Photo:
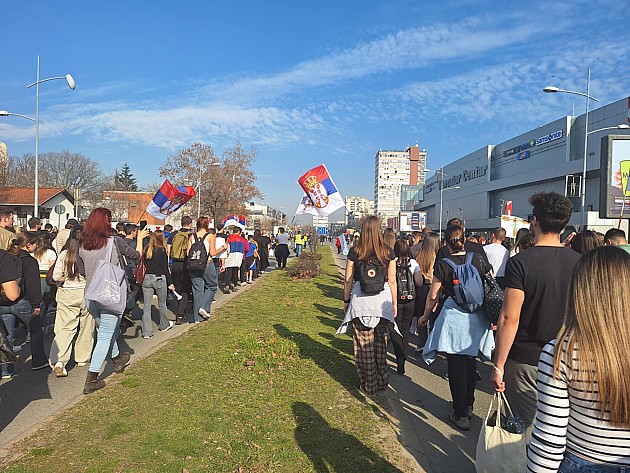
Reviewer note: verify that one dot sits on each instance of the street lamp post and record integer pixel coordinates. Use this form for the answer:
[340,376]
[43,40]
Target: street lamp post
[68,78]
[553,90]
[441,172]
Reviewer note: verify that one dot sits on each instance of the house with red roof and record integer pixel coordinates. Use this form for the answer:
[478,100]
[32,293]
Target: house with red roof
[56,205]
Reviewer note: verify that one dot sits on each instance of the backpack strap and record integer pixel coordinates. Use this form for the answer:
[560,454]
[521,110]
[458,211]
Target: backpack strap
[110,248]
[469,257]
[450,262]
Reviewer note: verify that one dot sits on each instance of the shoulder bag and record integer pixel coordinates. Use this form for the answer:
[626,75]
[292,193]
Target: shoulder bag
[501,448]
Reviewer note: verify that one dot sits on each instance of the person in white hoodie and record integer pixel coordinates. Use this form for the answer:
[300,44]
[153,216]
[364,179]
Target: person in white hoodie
[73,318]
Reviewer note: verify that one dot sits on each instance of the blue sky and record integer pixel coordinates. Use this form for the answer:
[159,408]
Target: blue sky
[303,83]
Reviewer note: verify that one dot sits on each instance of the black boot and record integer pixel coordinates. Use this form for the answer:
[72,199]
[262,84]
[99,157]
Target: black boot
[180,320]
[120,362]
[92,383]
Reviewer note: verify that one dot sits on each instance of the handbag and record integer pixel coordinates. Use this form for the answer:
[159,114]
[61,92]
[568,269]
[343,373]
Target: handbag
[141,270]
[108,287]
[498,449]
[493,299]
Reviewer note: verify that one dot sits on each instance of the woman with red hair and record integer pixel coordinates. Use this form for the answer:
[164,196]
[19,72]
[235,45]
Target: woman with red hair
[93,246]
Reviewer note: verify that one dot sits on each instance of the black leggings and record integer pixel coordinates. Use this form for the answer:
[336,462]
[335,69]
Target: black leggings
[403,321]
[462,377]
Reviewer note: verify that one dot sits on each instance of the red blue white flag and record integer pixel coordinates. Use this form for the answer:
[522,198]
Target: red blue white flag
[235,221]
[168,199]
[306,207]
[322,191]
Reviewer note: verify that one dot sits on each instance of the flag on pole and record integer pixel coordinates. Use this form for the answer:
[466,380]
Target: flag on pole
[508,208]
[306,207]
[168,199]
[234,221]
[322,191]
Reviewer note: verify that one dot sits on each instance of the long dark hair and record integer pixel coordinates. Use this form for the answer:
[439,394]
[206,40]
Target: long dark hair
[44,243]
[401,250]
[97,229]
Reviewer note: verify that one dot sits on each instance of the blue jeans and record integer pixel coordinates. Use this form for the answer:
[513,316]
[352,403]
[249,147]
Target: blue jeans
[23,310]
[574,464]
[204,287]
[298,250]
[107,325]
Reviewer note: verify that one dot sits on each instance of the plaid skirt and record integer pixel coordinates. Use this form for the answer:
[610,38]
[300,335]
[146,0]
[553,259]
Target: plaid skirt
[370,353]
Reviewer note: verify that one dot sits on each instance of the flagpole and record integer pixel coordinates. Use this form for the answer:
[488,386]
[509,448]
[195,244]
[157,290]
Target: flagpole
[145,211]
[623,204]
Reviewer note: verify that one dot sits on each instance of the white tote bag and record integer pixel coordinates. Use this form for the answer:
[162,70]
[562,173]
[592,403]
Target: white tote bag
[500,451]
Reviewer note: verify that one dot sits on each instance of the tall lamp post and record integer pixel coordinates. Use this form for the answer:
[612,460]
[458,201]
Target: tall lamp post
[553,90]
[68,78]
[442,189]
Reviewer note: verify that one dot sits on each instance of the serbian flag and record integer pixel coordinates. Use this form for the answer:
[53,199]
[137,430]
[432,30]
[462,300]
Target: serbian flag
[321,189]
[306,207]
[168,199]
[234,221]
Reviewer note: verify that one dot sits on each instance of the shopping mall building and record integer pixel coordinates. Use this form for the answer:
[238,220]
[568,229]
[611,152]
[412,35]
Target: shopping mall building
[548,158]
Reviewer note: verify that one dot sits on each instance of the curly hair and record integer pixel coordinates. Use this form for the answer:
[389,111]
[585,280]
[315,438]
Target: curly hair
[552,211]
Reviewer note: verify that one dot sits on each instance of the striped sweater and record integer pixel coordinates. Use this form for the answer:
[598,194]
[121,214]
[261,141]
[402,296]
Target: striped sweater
[568,419]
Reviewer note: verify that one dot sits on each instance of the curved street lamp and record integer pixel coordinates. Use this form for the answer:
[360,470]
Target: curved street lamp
[553,90]
[72,84]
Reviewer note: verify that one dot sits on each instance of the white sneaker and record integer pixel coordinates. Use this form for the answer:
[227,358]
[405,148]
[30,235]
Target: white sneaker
[170,326]
[17,348]
[60,370]
[204,313]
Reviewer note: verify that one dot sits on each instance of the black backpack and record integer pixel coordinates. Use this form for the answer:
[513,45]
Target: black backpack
[405,286]
[372,276]
[198,255]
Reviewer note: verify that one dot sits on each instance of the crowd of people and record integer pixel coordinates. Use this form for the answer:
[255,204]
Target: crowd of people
[57,273]
[558,347]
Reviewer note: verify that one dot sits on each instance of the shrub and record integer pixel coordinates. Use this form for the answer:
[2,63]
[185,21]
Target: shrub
[307,266]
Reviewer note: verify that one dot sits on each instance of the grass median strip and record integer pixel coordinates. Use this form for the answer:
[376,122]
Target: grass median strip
[266,386]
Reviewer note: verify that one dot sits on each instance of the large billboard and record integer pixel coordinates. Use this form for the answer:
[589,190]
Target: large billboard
[614,191]
[412,221]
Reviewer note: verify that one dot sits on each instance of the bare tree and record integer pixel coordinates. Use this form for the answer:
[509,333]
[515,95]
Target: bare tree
[225,185]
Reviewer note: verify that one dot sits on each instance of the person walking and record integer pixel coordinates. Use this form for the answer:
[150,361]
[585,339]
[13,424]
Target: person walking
[498,255]
[74,326]
[536,288]
[251,258]
[408,276]
[157,279]
[94,243]
[6,227]
[204,281]
[583,390]
[461,334]
[178,244]
[282,248]
[27,308]
[367,314]
[426,257]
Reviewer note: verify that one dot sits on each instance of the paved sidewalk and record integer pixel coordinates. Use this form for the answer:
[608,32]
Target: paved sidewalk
[420,402]
[32,397]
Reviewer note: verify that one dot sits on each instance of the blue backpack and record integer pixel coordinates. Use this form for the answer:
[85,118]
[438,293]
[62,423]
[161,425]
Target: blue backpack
[467,284]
